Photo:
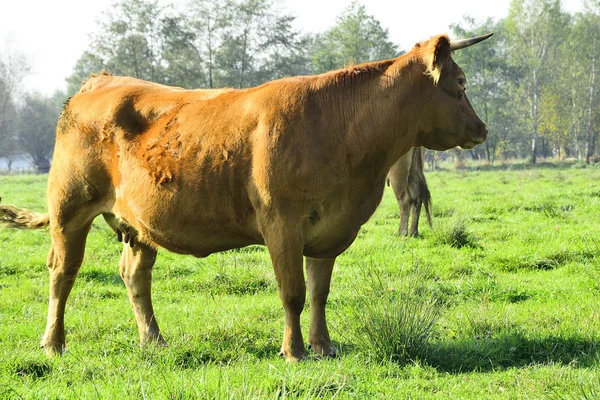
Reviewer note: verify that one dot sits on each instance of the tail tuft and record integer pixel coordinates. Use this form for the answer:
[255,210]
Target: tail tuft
[14,217]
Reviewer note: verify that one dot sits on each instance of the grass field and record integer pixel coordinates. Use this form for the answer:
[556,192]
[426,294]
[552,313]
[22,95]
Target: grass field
[511,271]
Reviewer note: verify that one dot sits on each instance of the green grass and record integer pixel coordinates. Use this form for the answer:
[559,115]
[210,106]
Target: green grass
[510,272]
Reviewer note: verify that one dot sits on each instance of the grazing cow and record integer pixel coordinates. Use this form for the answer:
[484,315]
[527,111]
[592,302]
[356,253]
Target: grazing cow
[297,164]
[410,188]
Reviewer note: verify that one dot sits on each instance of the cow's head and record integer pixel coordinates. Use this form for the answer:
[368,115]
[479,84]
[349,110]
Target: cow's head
[449,120]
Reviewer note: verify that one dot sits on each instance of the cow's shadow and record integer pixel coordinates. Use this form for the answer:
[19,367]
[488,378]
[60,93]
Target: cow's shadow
[513,350]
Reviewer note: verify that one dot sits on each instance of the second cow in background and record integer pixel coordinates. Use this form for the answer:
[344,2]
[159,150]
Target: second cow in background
[410,188]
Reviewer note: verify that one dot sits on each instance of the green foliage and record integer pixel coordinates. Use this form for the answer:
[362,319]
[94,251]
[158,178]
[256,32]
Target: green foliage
[257,41]
[534,30]
[355,38]
[14,66]
[36,125]
[211,44]
[487,79]
[85,65]
[129,39]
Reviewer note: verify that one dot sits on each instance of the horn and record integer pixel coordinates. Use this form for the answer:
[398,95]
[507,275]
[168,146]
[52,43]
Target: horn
[461,44]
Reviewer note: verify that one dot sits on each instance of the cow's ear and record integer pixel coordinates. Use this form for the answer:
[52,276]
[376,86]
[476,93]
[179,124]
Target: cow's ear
[438,52]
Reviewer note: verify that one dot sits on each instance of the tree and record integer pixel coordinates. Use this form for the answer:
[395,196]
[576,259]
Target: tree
[209,19]
[534,29]
[129,43]
[257,43]
[554,119]
[486,71]
[356,37]
[184,65]
[14,66]
[130,39]
[8,144]
[87,64]
[36,125]
[586,62]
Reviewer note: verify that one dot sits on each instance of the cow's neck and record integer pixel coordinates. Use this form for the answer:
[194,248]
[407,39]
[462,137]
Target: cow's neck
[379,112]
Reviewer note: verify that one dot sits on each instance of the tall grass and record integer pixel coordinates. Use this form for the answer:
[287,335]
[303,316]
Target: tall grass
[456,233]
[393,321]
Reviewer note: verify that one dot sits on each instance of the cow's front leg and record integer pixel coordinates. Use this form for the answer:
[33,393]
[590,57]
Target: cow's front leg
[318,272]
[285,246]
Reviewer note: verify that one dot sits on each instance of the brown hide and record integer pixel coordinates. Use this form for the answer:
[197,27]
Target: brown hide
[297,164]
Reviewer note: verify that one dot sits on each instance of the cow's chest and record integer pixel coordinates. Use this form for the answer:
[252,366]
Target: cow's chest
[333,226]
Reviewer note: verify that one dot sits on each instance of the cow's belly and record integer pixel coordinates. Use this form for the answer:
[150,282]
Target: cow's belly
[198,245]
[198,237]
[199,224]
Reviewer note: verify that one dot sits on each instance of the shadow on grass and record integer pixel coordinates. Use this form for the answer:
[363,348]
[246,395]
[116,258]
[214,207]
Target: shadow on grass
[94,275]
[33,368]
[510,351]
[550,262]
[222,354]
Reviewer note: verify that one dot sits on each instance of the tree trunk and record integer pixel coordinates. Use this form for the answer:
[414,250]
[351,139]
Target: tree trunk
[210,54]
[244,58]
[590,145]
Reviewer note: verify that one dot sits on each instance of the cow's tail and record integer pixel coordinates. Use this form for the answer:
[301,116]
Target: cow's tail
[424,195]
[14,217]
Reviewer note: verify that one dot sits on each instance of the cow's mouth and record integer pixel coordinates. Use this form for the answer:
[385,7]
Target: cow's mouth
[474,140]
[468,145]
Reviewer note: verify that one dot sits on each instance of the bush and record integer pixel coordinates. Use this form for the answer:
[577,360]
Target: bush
[392,322]
[455,234]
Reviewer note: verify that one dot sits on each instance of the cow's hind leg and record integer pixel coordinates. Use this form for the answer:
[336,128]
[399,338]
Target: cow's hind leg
[136,271]
[416,213]
[318,272]
[404,203]
[64,260]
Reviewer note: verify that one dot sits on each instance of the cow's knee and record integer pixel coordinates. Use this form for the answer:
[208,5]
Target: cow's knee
[294,303]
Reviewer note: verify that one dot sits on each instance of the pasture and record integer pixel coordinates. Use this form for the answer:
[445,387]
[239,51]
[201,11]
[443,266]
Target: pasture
[511,271]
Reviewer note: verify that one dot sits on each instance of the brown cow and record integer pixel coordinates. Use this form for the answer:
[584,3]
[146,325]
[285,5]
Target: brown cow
[297,164]
[410,188]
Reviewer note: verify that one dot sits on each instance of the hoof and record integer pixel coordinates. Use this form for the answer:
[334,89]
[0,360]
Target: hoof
[154,341]
[53,349]
[325,350]
[293,358]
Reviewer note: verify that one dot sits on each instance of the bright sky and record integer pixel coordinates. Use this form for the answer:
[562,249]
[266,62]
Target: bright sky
[54,33]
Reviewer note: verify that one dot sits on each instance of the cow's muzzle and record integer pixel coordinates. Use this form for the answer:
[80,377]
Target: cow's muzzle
[474,138]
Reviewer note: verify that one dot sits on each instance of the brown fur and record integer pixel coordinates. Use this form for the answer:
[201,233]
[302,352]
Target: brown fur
[297,164]
[410,188]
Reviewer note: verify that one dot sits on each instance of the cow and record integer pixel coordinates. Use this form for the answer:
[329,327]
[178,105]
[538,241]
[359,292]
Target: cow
[410,188]
[297,164]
